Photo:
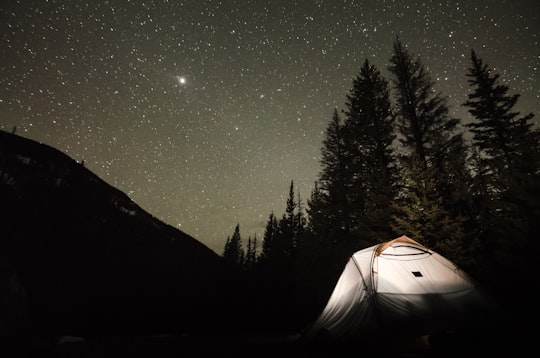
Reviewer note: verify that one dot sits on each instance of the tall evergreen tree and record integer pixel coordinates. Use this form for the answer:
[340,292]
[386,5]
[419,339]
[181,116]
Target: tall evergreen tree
[332,184]
[254,249]
[507,176]
[269,246]
[290,228]
[507,141]
[251,254]
[369,135]
[428,136]
[300,220]
[287,225]
[227,247]
[281,236]
[318,218]
[277,260]
[422,114]
[269,233]
[233,251]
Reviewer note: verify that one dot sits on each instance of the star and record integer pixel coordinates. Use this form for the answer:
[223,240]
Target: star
[181,80]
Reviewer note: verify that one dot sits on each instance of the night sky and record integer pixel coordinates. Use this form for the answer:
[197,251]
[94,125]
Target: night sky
[204,111]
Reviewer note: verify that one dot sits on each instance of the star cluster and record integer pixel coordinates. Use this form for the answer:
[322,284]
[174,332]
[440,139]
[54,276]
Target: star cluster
[204,111]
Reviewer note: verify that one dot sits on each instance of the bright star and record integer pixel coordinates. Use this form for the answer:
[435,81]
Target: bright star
[181,80]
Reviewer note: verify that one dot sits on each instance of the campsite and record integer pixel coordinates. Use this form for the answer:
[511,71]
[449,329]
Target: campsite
[250,178]
[106,290]
[448,316]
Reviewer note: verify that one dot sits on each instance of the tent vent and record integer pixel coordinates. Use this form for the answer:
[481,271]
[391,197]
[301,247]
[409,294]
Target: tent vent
[417,274]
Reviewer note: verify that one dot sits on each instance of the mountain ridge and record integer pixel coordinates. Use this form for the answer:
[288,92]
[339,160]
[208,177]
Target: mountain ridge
[90,260]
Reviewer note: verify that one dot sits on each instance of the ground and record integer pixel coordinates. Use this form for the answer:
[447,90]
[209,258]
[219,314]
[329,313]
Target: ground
[259,345]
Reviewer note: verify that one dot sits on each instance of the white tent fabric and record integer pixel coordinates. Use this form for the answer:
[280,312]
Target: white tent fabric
[399,285]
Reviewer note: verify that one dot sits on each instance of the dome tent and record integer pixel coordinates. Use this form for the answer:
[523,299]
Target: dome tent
[398,287]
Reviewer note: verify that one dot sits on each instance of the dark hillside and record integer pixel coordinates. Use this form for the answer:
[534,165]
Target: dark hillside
[79,257]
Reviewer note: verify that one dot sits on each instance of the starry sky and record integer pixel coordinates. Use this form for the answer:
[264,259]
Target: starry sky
[204,111]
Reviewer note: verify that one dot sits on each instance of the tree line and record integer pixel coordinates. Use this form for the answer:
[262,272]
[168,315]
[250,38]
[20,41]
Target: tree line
[395,162]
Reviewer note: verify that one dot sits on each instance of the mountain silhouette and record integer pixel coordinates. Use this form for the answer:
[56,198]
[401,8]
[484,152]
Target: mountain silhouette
[79,257]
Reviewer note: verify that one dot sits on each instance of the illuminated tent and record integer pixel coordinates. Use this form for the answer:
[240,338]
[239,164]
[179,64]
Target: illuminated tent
[399,286]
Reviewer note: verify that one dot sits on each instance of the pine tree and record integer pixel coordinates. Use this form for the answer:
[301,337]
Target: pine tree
[300,221]
[251,254]
[287,225]
[508,143]
[281,236]
[254,250]
[227,247]
[318,218]
[429,138]
[369,135]
[233,251]
[333,185]
[285,241]
[277,260]
[507,176]
[422,114]
[270,233]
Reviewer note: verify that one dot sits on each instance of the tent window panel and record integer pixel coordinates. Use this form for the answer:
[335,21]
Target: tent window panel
[417,274]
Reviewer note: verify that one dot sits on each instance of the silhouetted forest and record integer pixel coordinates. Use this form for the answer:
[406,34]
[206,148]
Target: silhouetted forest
[395,162]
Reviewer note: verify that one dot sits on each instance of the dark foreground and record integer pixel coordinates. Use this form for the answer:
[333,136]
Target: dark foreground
[263,345]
